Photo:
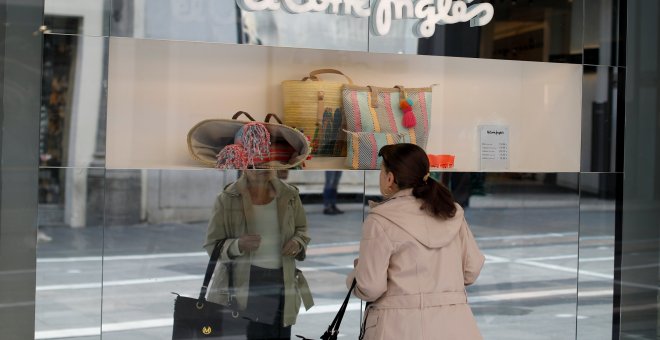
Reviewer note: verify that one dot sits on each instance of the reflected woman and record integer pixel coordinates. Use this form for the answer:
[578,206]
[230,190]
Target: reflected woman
[417,254]
[264,223]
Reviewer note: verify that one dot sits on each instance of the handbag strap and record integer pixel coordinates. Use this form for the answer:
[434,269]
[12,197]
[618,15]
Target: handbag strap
[333,329]
[239,113]
[215,255]
[374,96]
[272,115]
[313,75]
[402,91]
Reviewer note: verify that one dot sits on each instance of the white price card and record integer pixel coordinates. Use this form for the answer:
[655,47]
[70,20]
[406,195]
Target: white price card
[494,140]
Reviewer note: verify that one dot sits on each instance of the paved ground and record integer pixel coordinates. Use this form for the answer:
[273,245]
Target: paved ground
[527,290]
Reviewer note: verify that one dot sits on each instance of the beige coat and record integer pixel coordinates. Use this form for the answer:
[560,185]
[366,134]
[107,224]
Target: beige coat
[233,217]
[414,268]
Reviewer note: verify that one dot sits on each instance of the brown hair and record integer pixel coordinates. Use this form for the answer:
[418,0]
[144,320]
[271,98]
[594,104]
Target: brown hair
[409,164]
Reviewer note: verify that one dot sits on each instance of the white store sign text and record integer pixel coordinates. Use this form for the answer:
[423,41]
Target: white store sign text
[428,12]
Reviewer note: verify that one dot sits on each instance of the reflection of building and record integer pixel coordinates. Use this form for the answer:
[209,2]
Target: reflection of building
[83,71]
[75,76]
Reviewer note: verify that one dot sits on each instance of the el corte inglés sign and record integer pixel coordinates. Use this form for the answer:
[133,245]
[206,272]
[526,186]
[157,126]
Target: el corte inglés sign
[428,12]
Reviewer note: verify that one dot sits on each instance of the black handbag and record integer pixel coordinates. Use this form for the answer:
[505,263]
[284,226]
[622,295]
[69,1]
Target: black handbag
[201,319]
[333,329]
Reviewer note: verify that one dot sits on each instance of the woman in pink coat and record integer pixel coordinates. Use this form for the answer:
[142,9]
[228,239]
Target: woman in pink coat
[417,254]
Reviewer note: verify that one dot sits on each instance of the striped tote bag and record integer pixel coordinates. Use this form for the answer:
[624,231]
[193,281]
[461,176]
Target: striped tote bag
[378,109]
[362,152]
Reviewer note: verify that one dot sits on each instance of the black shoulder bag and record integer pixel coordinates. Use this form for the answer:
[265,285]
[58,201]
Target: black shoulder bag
[201,319]
[333,329]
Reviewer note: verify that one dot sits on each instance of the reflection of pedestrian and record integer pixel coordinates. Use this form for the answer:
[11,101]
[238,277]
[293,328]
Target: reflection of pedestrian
[463,185]
[263,252]
[417,254]
[43,237]
[460,185]
[330,193]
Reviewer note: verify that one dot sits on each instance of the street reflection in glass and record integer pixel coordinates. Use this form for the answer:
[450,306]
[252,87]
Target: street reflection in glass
[603,98]
[596,257]
[156,222]
[69,276]
[527,227]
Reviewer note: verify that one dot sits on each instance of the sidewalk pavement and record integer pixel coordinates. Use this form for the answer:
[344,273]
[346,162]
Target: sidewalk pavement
[495,200]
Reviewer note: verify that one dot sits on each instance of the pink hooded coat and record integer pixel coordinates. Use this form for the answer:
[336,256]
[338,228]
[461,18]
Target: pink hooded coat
[414,268]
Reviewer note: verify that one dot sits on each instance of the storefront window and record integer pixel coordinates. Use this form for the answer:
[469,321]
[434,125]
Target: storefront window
[126,203]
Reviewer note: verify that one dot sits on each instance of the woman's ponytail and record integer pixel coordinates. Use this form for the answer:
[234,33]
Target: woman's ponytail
[410,166]
[438,200]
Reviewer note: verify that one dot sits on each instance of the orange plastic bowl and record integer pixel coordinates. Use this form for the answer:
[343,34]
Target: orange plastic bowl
[442,161]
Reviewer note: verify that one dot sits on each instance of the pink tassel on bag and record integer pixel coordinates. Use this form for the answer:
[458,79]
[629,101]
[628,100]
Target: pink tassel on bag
[409,119]
[232,156]
[255,138]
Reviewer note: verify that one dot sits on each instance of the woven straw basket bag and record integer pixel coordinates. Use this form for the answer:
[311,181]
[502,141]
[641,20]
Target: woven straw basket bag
[208,137]
[315,107]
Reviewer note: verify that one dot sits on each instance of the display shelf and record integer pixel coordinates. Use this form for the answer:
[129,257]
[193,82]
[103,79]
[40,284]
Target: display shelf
[158,90]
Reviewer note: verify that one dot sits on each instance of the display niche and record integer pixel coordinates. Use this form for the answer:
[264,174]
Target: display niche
[491,115]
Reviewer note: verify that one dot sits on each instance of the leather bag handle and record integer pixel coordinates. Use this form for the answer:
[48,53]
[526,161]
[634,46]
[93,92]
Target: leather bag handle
[272,115]
[374,96]
[239,113]
[215,255]
[333,329]
[402,91]
[313,75]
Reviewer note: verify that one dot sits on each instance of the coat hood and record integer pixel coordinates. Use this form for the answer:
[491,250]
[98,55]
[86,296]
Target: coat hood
[403,209]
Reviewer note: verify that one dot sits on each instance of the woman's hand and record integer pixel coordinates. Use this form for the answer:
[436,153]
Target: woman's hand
[249,242]
[291,248]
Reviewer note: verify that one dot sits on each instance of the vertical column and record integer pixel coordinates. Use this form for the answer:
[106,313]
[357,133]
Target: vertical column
[20,77]
[639,270]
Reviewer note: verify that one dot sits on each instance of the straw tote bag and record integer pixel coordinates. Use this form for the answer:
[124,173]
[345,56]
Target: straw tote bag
[289,147]
[315,107]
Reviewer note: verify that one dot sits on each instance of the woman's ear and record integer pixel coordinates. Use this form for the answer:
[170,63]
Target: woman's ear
[389,179]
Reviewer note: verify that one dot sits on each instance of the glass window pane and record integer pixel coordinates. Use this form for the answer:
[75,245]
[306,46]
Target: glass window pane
[527,226]
[533,31]
[604,36]
[603,118]
[69,254]
[154,231]
[155,247]
[334,204]
[195,20]
[598,196]
[519,30]
[226,22]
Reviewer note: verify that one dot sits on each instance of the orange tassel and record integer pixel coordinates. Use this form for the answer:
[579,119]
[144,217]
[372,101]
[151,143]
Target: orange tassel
[404,105]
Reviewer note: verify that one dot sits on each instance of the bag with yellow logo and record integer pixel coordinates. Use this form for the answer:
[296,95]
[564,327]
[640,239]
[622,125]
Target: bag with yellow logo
[196,318]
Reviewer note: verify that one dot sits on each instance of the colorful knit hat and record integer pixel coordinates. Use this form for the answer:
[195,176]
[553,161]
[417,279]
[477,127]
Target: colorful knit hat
[232,156]
[255,139]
